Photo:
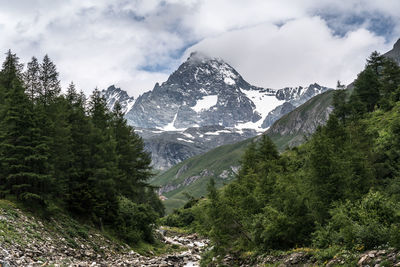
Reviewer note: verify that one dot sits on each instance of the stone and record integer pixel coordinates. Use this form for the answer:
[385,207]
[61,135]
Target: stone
[363,259]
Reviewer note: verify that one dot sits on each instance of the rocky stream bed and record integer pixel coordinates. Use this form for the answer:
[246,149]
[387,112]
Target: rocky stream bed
[28,241]
[33,255]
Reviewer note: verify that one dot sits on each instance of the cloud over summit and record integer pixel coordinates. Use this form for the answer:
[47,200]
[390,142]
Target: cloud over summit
[137,43]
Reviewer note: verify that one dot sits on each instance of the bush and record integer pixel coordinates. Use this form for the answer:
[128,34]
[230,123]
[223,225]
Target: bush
[273,229]
[365,224]
[135,222]
[179,218]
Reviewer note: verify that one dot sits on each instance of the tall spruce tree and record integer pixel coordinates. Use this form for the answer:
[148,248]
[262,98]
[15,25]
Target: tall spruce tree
[103,164]
[50,85]
[79,196]
[32,79]
[133,161]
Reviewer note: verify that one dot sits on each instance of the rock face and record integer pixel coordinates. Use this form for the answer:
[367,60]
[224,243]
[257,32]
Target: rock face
[277,113]
[113,95]
[394,53]
[171,147]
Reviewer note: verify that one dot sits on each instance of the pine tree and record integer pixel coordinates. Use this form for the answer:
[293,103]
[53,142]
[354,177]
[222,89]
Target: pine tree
[375,63]
[390,81]
[103,164]
[50,85]
[32,79]
[79,197]
[133,161]
[72,95]
[340,105]
[367,88]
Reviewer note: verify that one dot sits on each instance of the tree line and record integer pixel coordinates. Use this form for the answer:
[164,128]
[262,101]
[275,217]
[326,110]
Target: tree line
[63,150]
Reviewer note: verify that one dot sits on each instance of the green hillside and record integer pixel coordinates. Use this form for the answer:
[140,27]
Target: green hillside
[192,175]
[215,162]
[303,121]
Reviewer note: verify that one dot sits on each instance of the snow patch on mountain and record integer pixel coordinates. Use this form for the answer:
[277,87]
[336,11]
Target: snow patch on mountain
[184,140]
[265,101]
[205,103]
[171,126]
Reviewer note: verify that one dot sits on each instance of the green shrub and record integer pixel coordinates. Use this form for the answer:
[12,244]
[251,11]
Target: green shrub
[179,218]
[364,224]
[135,222]
[273,229]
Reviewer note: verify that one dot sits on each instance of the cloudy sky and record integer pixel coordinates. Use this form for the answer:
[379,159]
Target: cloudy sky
[135,43]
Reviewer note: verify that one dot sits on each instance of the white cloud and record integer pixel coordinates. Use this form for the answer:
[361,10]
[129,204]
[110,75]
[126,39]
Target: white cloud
[98,42]
[300,52]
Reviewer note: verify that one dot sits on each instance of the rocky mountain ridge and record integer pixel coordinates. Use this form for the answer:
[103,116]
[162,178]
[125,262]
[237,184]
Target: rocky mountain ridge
[394,53]
[202,91]
[114,94]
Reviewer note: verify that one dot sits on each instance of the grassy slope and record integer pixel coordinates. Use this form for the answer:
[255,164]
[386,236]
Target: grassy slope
[223,157]
[216,160]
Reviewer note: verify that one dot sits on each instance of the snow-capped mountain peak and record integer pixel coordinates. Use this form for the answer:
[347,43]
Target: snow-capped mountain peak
[208,91]
[176,117]
[202,91]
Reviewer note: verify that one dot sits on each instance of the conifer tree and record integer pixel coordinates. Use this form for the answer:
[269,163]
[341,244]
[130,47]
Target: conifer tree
[390,81]
[50,85]
[341,107]
[32,79]
[103,165]
[367,89]
[133,161]
[79,197]
[375,63]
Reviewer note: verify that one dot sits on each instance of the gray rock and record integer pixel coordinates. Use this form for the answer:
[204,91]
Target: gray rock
[113,95]
[394,53]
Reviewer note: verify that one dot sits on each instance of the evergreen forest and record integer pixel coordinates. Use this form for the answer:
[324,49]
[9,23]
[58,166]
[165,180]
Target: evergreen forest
[65,152]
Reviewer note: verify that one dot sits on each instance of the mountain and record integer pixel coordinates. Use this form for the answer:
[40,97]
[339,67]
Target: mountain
[204,92]
[394,53]
[113,95]
[207,91]
[222,163]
